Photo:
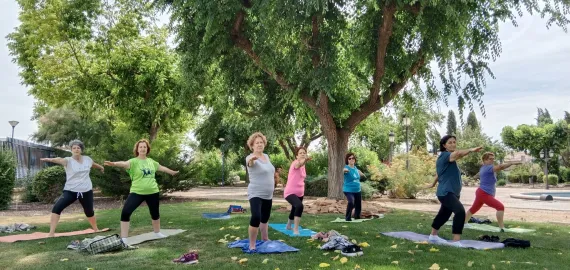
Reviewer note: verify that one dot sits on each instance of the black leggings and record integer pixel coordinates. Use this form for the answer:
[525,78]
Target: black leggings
[450,204]
[260,211]
[296,206]
[69,197]
[354,202]
[134,200]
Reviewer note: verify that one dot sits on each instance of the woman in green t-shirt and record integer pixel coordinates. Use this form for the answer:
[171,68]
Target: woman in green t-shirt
[142,170]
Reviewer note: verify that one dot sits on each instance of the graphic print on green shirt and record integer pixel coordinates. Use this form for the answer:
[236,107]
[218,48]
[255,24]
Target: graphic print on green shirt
[142,172]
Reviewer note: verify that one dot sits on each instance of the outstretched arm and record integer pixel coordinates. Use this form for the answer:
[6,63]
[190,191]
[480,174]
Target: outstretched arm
[166,170]
[57,160]
[302,163]
[503,166]
[120,164]
[99,167]
[458,154]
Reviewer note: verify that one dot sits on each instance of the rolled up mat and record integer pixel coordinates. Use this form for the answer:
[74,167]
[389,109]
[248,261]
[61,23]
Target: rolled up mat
[416,237]
[42,235]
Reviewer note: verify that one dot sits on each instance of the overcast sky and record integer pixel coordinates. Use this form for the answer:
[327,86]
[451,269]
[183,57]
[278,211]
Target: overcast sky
[531,72]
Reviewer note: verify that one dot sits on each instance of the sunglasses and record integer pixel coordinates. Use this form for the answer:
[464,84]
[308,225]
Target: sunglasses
[351,158]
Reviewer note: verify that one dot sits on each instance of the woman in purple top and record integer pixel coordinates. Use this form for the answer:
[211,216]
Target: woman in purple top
[485,194]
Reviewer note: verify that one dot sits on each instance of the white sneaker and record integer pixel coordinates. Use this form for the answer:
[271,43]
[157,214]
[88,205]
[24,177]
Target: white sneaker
[468,226]
[160,235]
[436,239]
[456,244]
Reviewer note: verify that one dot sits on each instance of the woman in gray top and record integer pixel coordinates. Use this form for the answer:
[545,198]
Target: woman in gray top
[260,188]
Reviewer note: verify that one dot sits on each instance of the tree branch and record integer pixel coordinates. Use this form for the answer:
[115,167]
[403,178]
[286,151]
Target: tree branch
[414,9]
[316,58]
[285,150]
[388,95]
[384,34]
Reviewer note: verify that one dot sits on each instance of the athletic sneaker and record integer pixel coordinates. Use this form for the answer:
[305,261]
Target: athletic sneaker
[74,245]
[467,225]
[456,244]
[436,239]
[160,235]
[352,251]
[502,230]
[188,258]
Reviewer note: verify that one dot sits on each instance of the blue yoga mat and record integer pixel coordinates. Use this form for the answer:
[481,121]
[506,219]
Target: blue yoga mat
[281,228]
[263,247]
[216,215]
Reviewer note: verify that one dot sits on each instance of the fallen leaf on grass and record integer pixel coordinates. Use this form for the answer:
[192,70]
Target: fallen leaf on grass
[234,258]
[242,261]
[493,267]
[343,260]
[41,243]
[417,246]
[365,232]
[64,259]
[559,253]
[395,262]
[237,238]
[345,226]
[223,241]
[337,251]
[433,249]
[265,261]
[357,267]
[411,252]
[170,222]
[377,236]
[281,240]
[364,244]
[310,240]
[394,246]
[549,233]
[89,268]
[226,236]
[222,228]
[434,266]
[322,265]
[319,246]
[354,241]
[335,258]
[422,243]
[326,253]
[470,263]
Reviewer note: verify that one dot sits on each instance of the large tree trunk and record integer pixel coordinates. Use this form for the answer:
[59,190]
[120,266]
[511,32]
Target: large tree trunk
[337,144]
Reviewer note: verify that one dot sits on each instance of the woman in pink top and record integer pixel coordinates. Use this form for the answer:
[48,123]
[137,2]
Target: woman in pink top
[295,188]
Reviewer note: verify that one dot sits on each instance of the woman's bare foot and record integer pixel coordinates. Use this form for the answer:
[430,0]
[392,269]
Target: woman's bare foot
[296,232]
[51,235]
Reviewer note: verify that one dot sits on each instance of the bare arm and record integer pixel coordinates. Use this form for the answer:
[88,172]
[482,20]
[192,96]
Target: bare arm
[434,182]
[302,163]
[166,170]
[120,164]
[458,154]
[250,162]
[99,167]
[58,160]
[503,166]
[361,174]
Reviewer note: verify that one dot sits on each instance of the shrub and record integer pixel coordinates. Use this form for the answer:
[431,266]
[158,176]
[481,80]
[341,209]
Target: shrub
[564,174]
[501,183]
[318,165]
[553,179]
[316,186]
[404,183]
[26,183]
[48,184]
[513,177]
[501,175]
[367,190]
[365,158]
[241,174]
[8,165]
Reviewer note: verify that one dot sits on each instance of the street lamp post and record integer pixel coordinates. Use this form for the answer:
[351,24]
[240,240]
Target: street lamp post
[223,158]
[545,154]
[391,138]
[407,125]
[13,124]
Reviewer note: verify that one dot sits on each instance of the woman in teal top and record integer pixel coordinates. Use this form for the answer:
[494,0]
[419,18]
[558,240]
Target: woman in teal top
[351,187]
[144,188]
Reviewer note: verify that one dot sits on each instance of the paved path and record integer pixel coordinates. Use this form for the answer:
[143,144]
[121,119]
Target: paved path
[516,209]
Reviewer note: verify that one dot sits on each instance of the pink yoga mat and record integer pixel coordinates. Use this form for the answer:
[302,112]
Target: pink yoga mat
[42,235]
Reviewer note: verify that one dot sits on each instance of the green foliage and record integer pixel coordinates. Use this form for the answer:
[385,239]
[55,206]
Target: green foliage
[402,182]
[553,179]
[365,158]
[48,184]
[27,184]
[543,117]
[472,121]
[373,133]
[316,186]
[501,183]
[8,165]
[451,123]
[206,167]
[318,165]
[367,190]
[564,174]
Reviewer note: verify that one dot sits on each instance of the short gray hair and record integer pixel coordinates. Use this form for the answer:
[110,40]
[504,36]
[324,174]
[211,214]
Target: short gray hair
[77,142]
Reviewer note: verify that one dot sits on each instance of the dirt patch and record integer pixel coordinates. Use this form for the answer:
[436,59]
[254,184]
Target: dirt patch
[329,206]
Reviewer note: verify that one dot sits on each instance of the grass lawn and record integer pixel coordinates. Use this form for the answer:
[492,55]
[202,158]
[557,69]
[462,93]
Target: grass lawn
[550,244]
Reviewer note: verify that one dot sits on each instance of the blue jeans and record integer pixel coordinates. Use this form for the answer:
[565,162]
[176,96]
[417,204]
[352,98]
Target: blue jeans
[354,202]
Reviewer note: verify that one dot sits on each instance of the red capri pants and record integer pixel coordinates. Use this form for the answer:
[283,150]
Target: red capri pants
[482,197]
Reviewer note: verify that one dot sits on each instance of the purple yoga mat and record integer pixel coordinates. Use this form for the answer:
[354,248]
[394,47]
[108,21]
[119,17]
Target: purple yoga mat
[412,236]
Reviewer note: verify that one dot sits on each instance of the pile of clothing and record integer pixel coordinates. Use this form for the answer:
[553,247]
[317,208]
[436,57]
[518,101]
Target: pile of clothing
[335,241]
[509,242]
[16,227]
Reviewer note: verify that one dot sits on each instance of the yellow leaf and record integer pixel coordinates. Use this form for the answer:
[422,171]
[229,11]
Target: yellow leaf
[411,252]
[377,236]
[365,232]
[354,241]
[335,258]
[222,228]
[422,243]
[234,258]
[281,240]
[324,265]
[345,226]
[337,251]
[434,266]
[433,249]
[237,238]
[226,236]
[242,261]
[470,263]
[364,244]
[64,259]
[343,260]
[170,222]
[326,253]
[394,246]
[319,246]
[223,241]
[357,267]
[265,261]
[395,262]
[493,267]
[549,233]
[417,246]
[310,240]
[89,268]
